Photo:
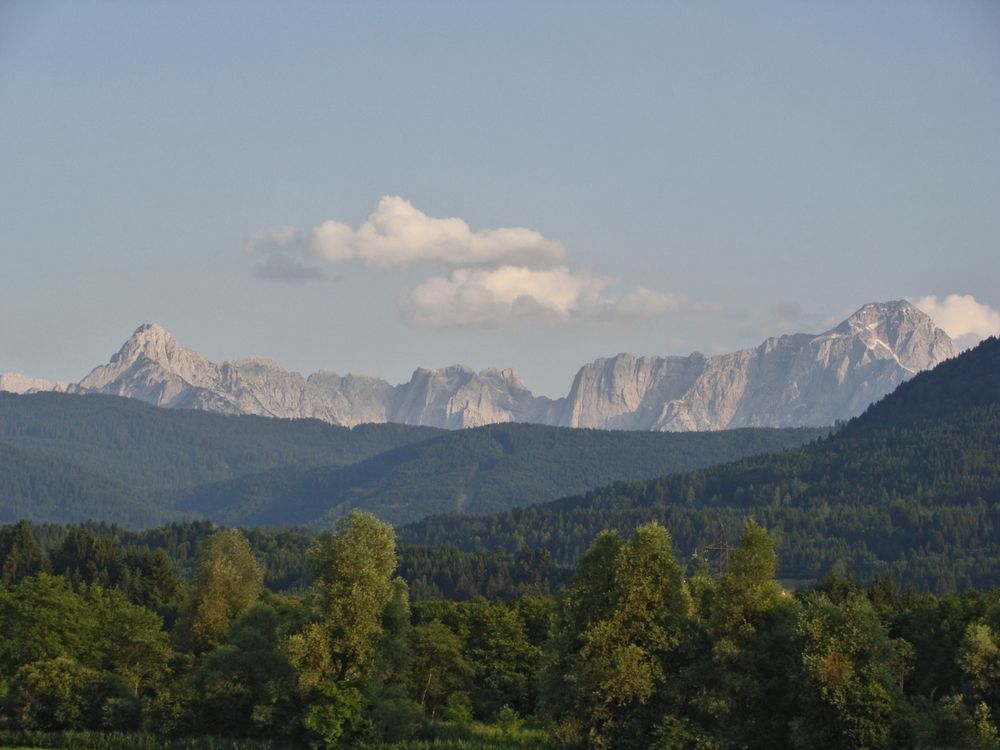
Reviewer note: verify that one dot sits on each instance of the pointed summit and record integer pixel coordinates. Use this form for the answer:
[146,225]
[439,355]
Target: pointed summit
[151,365]
[900,331]
[149,340]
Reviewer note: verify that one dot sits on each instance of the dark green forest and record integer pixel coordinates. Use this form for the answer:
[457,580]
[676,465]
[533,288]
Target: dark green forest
[36,485]
[474,471]
[104,458]
[636,650]
[114,556]
[149,448]
[911,488]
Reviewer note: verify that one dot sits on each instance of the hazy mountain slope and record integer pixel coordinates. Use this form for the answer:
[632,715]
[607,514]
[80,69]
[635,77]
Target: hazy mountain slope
[15,382]
[795,380]
[474,471]
[912,486]
[150,448]
[49,488]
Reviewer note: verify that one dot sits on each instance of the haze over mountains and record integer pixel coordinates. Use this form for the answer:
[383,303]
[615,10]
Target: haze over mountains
[793,380]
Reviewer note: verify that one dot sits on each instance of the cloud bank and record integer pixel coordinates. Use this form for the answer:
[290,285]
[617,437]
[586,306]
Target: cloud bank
[961,316]
[498,276]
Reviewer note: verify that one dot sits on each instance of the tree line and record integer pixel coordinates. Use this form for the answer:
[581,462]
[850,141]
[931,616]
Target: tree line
[637,650]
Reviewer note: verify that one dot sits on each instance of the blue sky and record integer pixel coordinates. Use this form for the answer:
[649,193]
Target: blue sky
[694,176]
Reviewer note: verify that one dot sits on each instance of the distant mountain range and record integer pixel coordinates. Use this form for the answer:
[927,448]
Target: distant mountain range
[796,380]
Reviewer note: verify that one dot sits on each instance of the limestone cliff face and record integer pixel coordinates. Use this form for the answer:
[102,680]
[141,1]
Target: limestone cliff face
[793,380]
[786,381]
[153,367]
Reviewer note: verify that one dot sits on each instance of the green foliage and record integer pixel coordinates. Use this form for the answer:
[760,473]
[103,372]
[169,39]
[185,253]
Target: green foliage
[228,580]
[620,635]
[55,693]
[336,710]
[439,668]
[850,677]
[353,569]
[244,685]
[632,658]
[49,621]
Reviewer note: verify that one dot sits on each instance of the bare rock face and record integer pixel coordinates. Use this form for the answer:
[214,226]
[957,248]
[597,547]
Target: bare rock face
[787,381]
[154,368]
[15,382]
[457,396]
[796,380]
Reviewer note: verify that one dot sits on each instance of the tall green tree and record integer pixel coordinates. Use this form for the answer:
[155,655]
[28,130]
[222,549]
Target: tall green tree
[133,644]
[750,624]
[227,582]
[630,644]
[439,668]
[335,654]
[588,598]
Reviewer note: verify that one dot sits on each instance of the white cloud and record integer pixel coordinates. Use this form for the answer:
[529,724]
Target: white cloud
[397,235]
[497,277]
[480,298]
[961,316]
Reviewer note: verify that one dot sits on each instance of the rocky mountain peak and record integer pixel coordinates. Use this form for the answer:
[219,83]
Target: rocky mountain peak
[898,330]
[149,340]
[152,355]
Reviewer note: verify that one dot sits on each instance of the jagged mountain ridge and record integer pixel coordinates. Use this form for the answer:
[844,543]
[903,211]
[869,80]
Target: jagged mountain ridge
[795,380]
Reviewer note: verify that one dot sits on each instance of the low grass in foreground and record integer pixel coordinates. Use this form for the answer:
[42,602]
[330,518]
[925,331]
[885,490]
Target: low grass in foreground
[126,741]
[473,736]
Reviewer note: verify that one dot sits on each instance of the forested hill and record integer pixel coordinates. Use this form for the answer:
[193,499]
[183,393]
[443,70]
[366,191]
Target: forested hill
[474,471]
[910,487]
[40,487]
[150,448]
